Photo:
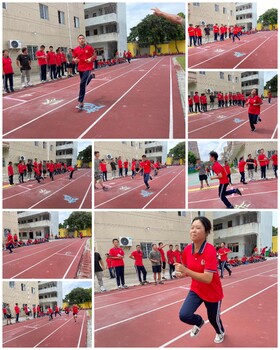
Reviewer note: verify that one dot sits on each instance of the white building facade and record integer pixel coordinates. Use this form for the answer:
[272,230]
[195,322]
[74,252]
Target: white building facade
[37,224]
[50,294]
[252,80]
[106,28]
[243,231]
[67,152]
[156,150]
[246,15]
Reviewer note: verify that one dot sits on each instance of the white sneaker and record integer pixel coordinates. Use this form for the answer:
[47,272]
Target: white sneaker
[103,289]
[23,86]
[124,286]
[219,338]
[29,84]
[195,330]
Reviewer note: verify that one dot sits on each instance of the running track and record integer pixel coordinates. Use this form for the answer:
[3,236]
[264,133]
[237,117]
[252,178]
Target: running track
[42,333]
[167,191]
[147,316]
[258,194]
[252,51]
[140,100]
[233,123]
[51,194]
[56,259]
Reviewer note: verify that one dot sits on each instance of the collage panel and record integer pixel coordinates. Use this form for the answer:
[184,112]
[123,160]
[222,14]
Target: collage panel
[47,244]
[222,104]
[136,287]
[233,174]
[230,35]
[137,53]
[47,174]
[47,314]
[139,174]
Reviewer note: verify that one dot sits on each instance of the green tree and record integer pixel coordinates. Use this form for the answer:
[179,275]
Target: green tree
[179,151]
[176,32]
[272,84]
[191,158]
[269,17]
[86,155]
[79,220]
[78,296]
[274,231]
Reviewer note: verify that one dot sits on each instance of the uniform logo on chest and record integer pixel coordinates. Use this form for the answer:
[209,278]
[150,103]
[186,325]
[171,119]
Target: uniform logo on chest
[202,262]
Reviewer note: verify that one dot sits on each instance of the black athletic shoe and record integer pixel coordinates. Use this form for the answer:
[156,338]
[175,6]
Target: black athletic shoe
[229,273]
[105,188]
[148,187]
[231,207]
[238,192]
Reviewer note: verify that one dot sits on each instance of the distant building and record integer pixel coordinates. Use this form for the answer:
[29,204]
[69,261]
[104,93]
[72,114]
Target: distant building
[67,152]
[246,15]
[252,80]
[243,231]
[106,27]
[10,223]
[50,294]
[37,224]
[193,147]
[156,150]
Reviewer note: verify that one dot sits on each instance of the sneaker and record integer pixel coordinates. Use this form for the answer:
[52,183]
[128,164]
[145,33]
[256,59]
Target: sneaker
[148,187]
[259,119]
[142,283]
[155,283]
[80,106]
[12,90]
[119,287]
[195,330]
[160,282]
[124,286]
[29,84]
[245,183]
[105,188]
[23,86]
[238,192]
[229,273]
[103,289]
[231,207]
[219,338]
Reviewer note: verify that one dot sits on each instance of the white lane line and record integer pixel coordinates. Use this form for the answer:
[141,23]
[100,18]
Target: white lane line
[74,259]
[171,121]
[85,196]
[81,332]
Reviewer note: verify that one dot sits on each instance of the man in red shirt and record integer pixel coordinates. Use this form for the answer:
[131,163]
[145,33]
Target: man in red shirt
[50,312]
[137,256]
[8,72]
[52,63]
[10,242]
[51,169]
[274,159]
[146,166]
[190,100]
[17,312]
[42,62]
[235,33]
[84,55]
[38,310]
[254,103]
[57,311]
[58,59]
[171,261]
[192,36]
[262,160]
[269,96]
[71,171]
[198,34]
[109,266]
[177,254]
[196,102]
[163,258]
[125,165]
[120,166]
[222,33]
[223,179]
[241,168]
[223,257]
[216,30]
[75,310]
[21,171]
[117,255]
[133,167]
[11,173]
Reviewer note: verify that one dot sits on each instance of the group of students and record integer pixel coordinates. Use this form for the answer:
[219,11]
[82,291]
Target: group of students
[38,170]
[12,241]
[36,312]
[220,33]
[143,166]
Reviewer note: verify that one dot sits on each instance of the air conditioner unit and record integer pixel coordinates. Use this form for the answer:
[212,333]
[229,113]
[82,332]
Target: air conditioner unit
[125,241]
[258,151]
[109,156]
[208,91]
[20,158]
[15,44]
[202,23]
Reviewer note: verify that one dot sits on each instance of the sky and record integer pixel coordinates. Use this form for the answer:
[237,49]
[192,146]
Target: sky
[136,11]
[67,286]
[83,145]
[63,215]
[264,5]
[207,146]
[269,75]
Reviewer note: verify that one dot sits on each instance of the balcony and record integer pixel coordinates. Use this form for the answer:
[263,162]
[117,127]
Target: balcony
[240,230]
[35,224]
[101,20]
[101,38]
[64,146]
[90,5]
[192,77]
[48,300]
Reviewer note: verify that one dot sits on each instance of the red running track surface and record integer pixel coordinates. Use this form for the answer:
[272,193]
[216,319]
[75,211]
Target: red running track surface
[61,332]
[123,317]
[258,194]
[251,52]
[138,102]
[167,191]
[61,193]
[56,259]
[233,123]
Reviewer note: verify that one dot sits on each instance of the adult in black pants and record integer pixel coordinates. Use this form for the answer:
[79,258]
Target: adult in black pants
[117,256]
[222,257]
[137,256]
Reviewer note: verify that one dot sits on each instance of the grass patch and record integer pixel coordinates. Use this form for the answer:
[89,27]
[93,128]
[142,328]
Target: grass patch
[182,61]
[90,312]
[90,242]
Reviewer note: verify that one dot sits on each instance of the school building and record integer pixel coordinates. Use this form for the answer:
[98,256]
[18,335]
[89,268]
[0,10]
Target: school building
[32,24]
[203,13]
[236,149]
[37,224]
[252,80]
[10,223]
[66,152]
[246,15]
[243,231]
[207,82]
[137,227]
[21,292]
[50,294]
[193,147]
[156,150]
[105,26]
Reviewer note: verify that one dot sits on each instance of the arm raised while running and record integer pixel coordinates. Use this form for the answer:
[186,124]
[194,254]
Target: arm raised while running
[170,17]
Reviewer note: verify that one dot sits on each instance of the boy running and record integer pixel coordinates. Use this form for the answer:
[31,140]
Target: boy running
[75,312]
[146,165]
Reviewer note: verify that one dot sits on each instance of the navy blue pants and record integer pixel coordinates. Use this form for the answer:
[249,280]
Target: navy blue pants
[223,193]
[192,303]
[85,79]
[43,72]
[141,270]
[119,270]
[146,179]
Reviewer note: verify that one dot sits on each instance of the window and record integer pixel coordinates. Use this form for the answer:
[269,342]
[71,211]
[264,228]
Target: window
[196,4]
[44,11]
[32,51]
[44,145]
[61,17]
[222,75]
[218,227]
[229,77]
[202,72]
[236,79]
[146,249]
[36,143]
[23,287]
[224,11]
[95,32]
[12,284]
[229,224]
[124,142]
[132,143]
[76,22]
[231,13]
[182,213]
[4,5]
[87,33]
[216,8]
[51,147]
[234,247]
[94,14]
[182,246]
[33,290]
